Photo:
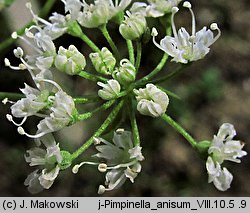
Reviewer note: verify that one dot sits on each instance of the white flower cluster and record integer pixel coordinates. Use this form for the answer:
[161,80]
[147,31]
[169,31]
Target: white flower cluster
[94,14]
[57,109]
[222,148]
[155,8]
[47,100]
[122,160]
[117,77]
[49,158]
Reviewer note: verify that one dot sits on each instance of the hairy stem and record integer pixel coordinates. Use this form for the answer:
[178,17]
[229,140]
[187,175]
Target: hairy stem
[135,130]
[86,99]
[138,56]
[102,128]
[179,129]
[114,48]
[89,42]
[131,51]
[87,115]
[10,95]
[92,77]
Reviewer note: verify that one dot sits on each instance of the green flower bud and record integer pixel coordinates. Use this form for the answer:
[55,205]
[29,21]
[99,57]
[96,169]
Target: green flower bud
[110,90]
[133,26]
[70,61]
[95,15]
[125,74]
[104,61]
[151,101]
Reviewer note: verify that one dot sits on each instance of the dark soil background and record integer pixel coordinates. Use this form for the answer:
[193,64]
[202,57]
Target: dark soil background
[213,91]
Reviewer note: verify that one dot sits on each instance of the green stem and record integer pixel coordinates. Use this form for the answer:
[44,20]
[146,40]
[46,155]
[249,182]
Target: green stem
[158,68]
[89,42]
[102,128]
[75,30]
[131,51]
[87,99]
[92,77]
[138,56]
[135,131]
[10,95]
[169,27]
[87,115]
[179,129]
[114,48]
[43,13]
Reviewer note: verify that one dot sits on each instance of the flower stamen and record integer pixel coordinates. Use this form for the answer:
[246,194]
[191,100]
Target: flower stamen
[10,118]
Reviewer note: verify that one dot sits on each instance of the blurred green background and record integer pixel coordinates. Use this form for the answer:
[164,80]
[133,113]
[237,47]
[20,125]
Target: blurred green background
[213,91]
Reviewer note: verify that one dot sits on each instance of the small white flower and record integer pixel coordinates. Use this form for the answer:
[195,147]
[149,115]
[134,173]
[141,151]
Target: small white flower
[159,8]
[35,100]
[60,106]
[151,101]
[103,61]
[70,60]
[57,27]
[63,112]
[73,7]
[133,26]
[116,7]
[43,57]
[122,159]
[49,158]
[155,8]
[110,90]
[221,178]
[100,12]
[224,148]
[126,73]
[184,47]
[94,15]
[44,42]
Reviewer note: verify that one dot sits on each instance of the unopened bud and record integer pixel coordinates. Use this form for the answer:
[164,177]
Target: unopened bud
[70,60]
[133,26]
[104,61]
[110,90]
[125,74]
